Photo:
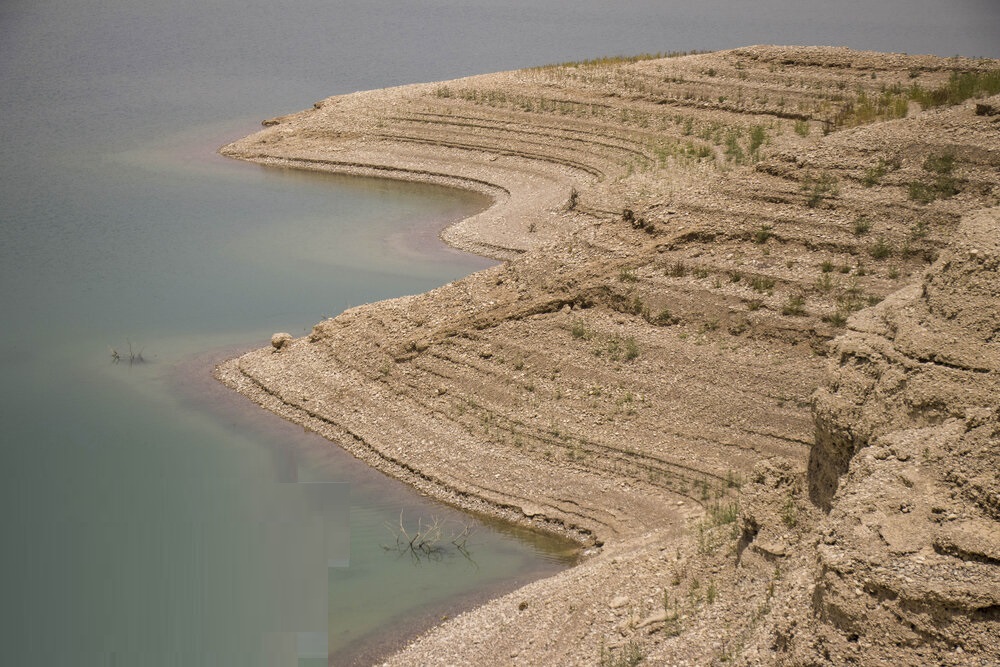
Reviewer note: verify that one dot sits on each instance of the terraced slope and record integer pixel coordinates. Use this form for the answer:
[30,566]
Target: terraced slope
[683,238]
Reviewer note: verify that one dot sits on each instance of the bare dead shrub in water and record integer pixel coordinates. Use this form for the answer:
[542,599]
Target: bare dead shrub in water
[133,357]
[431,540]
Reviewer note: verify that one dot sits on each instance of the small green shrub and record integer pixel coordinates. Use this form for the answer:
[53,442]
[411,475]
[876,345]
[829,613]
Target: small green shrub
[758,135]
[762,235]
[631,349]
[819,188]
[733,150]
[824,283]
[664,318]
[873,176]
[794,306]
[790,513]
[630,655]
[762,284]
[862,226]
[920,192]
[940,183]
[881,249]
[628,276]
[677,270]
[720,514]
[836,318]
[941,164]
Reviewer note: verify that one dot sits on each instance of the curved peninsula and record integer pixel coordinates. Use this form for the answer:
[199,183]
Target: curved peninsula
[743,347]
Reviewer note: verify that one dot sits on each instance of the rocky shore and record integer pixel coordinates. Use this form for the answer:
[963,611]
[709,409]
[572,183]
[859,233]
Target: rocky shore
[744,348]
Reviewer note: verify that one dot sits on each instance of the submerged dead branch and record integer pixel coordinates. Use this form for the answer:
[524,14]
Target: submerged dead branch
[431,540]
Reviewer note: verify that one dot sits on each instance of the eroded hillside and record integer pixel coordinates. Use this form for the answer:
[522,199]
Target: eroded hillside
[684,238]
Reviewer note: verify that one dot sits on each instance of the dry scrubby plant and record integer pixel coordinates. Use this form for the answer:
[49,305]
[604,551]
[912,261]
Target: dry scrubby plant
[429,541]
[629,655]
[133,357]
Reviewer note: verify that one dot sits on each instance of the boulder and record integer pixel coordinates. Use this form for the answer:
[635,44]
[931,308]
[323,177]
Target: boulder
[280,340]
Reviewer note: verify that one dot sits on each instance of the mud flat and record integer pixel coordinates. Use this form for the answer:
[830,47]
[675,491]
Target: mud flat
[743,348]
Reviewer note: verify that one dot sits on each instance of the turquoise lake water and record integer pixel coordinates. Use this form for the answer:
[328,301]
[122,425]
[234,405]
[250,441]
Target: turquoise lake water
[150,516]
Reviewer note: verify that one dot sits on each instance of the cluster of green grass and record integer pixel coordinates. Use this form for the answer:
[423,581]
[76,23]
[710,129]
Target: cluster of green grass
[893,101]
[664,318]
[961,86]
[608,61]
[628,656]
[762,235]
[619,349]
[881,249]
[819,188]
[874,174]
[627,275]
[580,330]
[719,527]
[762,284]
[889,104]
[795,305]
[939,181]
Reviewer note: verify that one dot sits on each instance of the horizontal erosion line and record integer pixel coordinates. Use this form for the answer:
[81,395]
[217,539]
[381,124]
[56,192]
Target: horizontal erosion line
[586,136]
[292,161]
[297,412]
[573,164]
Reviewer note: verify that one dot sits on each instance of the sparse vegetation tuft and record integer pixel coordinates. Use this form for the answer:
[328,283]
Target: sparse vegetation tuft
[762,284]
[819,188]
[939,181]
[881,249]
[794,306]
[628,276]
[631,654]
[762,235]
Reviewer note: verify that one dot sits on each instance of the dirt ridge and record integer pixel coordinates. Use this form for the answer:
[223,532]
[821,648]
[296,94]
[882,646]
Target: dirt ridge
[686,240]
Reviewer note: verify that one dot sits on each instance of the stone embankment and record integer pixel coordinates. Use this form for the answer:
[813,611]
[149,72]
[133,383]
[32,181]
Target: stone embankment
[689,242]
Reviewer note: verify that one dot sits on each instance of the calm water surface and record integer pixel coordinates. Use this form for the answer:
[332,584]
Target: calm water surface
[151,517]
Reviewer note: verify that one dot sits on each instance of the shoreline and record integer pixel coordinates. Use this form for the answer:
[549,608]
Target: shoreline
[408,626]
[681,253]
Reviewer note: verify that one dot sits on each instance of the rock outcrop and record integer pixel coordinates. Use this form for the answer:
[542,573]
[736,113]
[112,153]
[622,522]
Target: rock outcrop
[908,437]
